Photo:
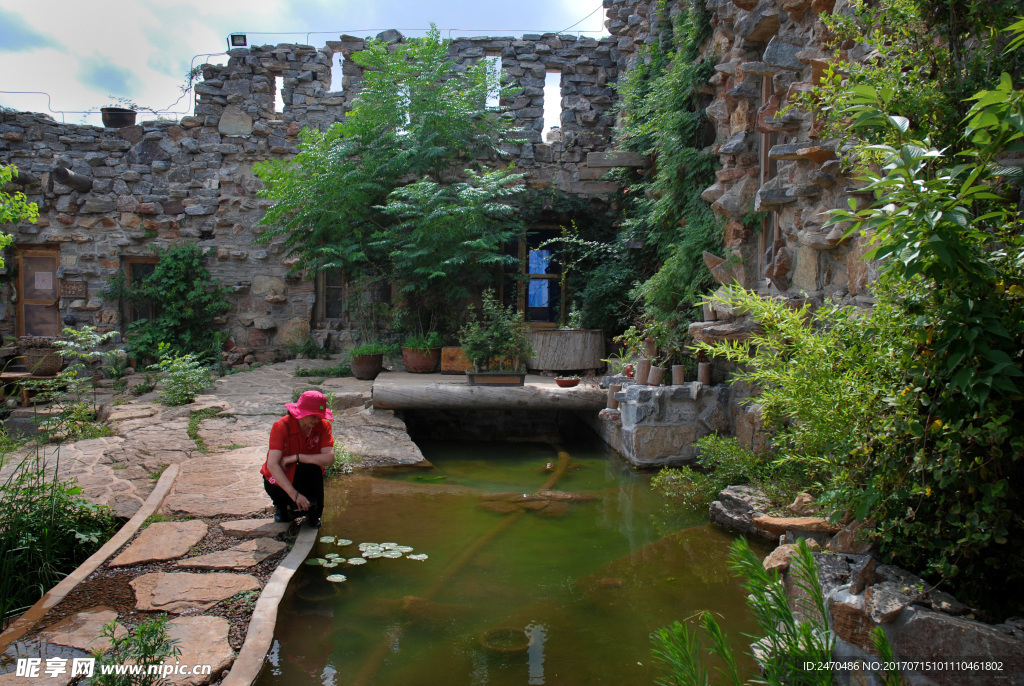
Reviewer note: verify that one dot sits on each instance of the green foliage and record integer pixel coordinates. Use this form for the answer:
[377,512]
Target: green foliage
[925,56]
[340,369]
[664,212]
[724,462]
[184,376]
[309,349]
[347,201]
[147,644]
[793,634]
[46,530]
[186,301]
[344,461]
[376,348]
[946,454]
[14,207]
[496,339]
[327,394]
[424,342]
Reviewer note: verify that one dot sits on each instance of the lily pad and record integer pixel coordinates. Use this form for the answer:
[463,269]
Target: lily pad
[391,553]
[404,549]
[316,561]
[337,578]
[356,561]
[371,554]
[330,555]
[343,541]
[367,546]
[329,565]
[327,539]
[418,558]
[389,546]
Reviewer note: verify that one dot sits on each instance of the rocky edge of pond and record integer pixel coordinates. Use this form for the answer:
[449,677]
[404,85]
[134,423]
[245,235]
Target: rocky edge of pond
[920,621]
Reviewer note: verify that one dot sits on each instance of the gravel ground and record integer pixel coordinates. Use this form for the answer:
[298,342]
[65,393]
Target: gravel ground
[110,586]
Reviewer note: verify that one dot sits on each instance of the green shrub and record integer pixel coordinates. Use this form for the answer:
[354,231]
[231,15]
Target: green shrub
[423,342]
[185,299]
[338,370]
[376,348]
[724,462]
[496,339]
[309,348]
[184,377]
[46,530]
[344,461]
[147,644]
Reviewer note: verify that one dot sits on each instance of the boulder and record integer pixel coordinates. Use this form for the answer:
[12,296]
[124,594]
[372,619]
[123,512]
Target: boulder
[736,508]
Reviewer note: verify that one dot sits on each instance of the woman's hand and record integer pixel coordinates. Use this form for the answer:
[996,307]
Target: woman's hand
[301,502]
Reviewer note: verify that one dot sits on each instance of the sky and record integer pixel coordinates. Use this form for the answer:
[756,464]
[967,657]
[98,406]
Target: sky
[80,54]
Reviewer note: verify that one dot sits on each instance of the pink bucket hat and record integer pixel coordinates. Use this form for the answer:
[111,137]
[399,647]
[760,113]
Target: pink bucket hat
[311,402]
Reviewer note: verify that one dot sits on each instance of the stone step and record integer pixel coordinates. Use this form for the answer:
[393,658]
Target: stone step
[161,541]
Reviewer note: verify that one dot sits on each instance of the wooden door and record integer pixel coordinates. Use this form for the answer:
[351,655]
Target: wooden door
[38,288]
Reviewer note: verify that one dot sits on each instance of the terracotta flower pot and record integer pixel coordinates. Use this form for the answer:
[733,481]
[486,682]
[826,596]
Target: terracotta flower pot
[678,374]
[613,403]
[117,117]
[566,383]
[643,368]
[704,373]
[656,375]
[419,361]
[366,367]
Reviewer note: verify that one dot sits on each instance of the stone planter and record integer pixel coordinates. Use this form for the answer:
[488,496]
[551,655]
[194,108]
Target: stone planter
[495,378]
[366,367]
[454,361]
[418,361]
[564,350]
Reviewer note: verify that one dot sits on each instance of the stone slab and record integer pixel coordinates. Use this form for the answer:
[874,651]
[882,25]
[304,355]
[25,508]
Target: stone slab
[239,557]
[225,484]
[83,630]
[161,541]
[202,641]
[254,528]
[180,592]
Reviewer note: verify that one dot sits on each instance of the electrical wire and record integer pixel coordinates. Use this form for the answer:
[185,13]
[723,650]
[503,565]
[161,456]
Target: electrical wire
[597,9]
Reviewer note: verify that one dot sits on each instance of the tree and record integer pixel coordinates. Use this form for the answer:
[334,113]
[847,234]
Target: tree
[13,207]
[398,189]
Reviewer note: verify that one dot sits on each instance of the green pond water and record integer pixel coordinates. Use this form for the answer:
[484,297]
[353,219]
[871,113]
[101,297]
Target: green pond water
[581,584]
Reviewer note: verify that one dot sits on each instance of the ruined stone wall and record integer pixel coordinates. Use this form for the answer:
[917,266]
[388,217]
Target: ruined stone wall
[159,182]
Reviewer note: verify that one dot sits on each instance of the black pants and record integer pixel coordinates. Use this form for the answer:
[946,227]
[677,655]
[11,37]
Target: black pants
[309,481]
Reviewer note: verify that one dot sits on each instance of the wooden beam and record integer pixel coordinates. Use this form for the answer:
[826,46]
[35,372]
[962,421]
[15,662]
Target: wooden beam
[461,396]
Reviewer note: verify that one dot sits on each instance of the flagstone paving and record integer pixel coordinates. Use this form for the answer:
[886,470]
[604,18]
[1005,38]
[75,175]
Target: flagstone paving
[241,556]
[161,541]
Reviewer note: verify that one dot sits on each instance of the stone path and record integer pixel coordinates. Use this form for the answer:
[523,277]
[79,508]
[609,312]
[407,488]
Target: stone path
[120,471]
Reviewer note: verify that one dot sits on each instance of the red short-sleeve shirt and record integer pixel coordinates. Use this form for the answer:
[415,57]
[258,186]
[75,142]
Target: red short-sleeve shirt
[287,437]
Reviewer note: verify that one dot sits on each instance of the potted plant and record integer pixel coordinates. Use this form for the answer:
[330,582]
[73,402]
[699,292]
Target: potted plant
[567,381]
[120,112]
[421,354]
[496,344]
[367,360]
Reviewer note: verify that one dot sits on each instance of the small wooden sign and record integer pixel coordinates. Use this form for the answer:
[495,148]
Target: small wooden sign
[74,289]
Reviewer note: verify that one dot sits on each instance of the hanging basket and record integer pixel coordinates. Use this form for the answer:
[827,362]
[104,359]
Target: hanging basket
[42,361]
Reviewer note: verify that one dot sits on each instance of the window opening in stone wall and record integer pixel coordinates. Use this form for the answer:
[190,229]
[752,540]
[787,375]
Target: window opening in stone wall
[493,68]
[337,72]
[278,95]
[135,270]
[331,293]
[543,297]
[552,106]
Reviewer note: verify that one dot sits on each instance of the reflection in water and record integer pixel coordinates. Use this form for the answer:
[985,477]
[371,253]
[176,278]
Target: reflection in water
[535,653]
[588,576]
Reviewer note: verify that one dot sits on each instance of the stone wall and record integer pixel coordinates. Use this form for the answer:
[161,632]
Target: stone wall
[158,183]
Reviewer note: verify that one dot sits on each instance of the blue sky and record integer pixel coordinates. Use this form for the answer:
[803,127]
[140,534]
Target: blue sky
[79,52]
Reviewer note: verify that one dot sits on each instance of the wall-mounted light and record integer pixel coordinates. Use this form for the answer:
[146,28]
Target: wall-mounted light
[237,40]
